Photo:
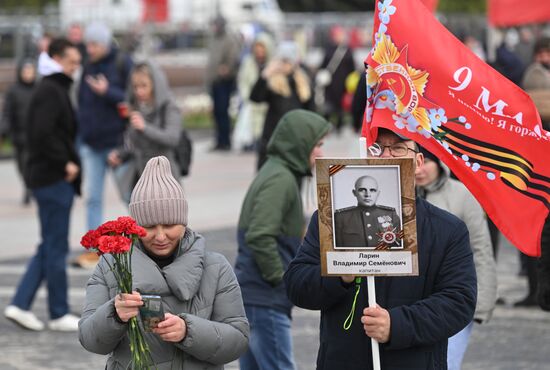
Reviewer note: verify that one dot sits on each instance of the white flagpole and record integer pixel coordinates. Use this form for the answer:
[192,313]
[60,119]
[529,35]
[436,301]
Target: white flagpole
[370,279]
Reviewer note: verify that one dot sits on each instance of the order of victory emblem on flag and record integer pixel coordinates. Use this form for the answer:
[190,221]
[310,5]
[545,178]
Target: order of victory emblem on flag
[429,87]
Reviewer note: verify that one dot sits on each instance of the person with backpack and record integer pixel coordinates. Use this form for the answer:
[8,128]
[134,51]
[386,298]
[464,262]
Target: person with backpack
[100,127]
[154,125]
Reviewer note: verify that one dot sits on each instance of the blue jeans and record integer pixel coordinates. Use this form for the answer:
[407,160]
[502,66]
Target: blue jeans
[270,345]
[49,263]
[94,167]
[221,94]
[457,346]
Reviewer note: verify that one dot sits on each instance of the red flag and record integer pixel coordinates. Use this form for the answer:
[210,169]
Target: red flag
[429,87]
[155,11]
[506,13]
[430,4]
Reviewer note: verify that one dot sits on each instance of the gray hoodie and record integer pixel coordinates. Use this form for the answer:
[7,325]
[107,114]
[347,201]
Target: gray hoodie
[163,125]
[452,196]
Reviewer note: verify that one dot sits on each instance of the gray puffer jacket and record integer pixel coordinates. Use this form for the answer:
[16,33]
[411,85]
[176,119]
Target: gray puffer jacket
[452,196]
[199,286]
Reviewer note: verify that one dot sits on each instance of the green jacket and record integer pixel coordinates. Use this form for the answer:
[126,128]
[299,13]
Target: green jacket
[271,224]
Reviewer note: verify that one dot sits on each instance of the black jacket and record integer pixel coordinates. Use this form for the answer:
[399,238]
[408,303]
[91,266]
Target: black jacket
[337,87]
[16,105]
[424,310]
[278,104]
[51,132]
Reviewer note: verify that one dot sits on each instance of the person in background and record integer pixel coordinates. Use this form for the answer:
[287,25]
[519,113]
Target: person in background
[433,183]
[543,288]
[223,62]
[43,43]
[154,126]
[338,60]
[536,78]
[475,46]
[75,34]
[102,88]
[526,44]
[414,315]
[359,103]
[284,86]
[53,175]
[252,115]
[14,116]
[204,323]
[507,62]
[271,226]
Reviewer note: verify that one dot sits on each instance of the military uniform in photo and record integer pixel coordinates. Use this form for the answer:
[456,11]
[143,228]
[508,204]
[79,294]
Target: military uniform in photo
[367,227]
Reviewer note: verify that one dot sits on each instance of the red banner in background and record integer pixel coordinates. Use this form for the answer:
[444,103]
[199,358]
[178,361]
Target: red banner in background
[507,13]
[155,11]
[431,88]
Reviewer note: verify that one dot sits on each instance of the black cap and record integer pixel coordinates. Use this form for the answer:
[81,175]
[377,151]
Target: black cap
[542,44]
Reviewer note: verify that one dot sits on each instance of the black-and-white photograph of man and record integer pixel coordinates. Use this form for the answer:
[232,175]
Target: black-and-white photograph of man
[373,220]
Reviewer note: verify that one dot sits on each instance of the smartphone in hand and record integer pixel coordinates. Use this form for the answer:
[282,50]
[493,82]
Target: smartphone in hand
[151,312]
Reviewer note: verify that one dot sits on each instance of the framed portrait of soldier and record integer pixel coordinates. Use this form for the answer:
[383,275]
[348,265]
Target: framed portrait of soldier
[367,216]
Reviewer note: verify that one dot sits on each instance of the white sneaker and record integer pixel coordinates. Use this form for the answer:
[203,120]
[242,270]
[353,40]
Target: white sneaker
[67,322]
[25,319]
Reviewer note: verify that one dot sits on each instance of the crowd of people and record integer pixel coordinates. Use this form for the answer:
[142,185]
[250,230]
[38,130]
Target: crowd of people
[86,108]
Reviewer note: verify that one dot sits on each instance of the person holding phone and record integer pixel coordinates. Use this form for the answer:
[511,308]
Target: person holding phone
[154,126]
[204,324]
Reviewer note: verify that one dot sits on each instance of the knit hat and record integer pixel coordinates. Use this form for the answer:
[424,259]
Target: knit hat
[158,198]
[428,154]
[99,33]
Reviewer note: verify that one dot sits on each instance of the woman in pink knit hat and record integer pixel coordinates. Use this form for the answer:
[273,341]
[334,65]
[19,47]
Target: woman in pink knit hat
[204,323]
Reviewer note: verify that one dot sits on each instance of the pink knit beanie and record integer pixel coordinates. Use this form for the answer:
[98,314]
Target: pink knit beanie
[158,198]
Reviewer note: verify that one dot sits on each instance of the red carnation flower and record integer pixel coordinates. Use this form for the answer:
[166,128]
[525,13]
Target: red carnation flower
[129,225]
[114,244]
[110,228]
[115,238]
[89,240]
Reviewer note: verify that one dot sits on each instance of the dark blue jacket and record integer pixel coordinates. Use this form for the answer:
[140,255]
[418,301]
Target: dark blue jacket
[424,310]
[99,123]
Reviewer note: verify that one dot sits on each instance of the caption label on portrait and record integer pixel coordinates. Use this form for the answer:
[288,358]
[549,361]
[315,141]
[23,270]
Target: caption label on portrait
[371,262]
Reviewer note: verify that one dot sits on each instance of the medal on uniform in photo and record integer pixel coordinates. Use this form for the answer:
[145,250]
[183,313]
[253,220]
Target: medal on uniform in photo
[388,237]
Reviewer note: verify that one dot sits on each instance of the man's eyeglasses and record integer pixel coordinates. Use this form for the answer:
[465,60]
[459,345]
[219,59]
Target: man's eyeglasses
[396,150]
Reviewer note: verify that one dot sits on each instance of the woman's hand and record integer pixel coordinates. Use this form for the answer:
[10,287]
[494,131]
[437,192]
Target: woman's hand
[127,305]
[172,329]
[137,121]
[273,67]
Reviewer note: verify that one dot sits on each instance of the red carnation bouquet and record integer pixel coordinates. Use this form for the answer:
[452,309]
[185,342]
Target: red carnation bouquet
[117,238]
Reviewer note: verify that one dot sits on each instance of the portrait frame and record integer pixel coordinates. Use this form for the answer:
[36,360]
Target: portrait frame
[361,236]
